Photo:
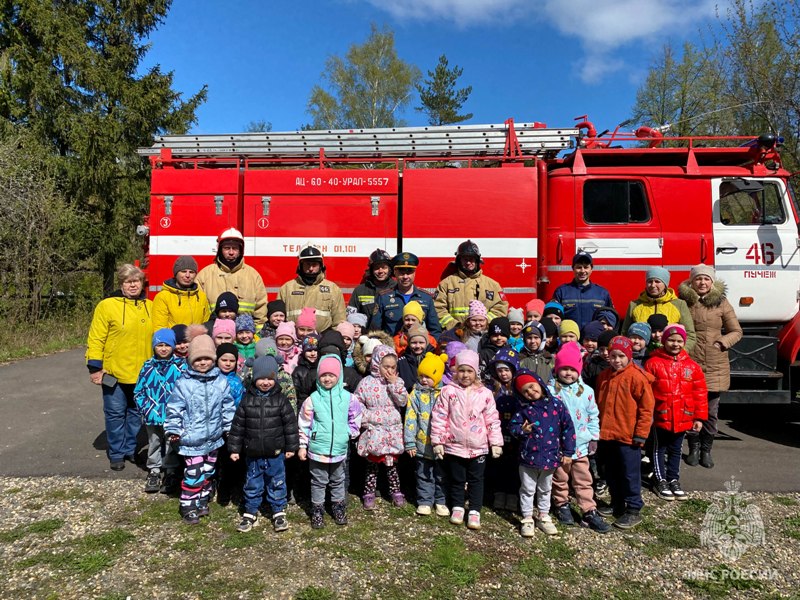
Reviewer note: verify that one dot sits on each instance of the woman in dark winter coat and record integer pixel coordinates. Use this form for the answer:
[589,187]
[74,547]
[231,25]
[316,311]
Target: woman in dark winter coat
[717,329]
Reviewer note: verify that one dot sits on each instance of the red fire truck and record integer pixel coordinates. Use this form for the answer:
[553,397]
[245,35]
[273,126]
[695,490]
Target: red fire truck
[530,197]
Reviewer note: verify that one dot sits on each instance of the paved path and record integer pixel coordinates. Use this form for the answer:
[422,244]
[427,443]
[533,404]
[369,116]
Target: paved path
[53,425]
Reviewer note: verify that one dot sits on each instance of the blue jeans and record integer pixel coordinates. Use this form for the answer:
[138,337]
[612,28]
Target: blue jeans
[123,421]
[623,466]
[430,486]
[667,454]
[269,473]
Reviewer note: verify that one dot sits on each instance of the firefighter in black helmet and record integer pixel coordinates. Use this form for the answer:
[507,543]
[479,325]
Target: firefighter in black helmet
[468,283]
[377,278]
[311,288]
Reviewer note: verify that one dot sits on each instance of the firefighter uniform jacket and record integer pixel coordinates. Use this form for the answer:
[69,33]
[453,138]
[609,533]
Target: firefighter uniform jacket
[323,295]
[243,280]
[389,311]
[454,293]
[365,296]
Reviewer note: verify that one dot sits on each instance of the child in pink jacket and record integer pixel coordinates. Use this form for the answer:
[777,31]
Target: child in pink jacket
[464,424]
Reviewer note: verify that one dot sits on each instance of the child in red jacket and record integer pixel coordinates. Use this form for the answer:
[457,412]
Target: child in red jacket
[681,404]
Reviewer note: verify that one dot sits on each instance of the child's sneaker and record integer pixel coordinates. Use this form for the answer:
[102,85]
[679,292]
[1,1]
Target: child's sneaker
[279,522]
[424,510]
[339,510]
[677,490]
[600,487]
[595,522]
[474,520]
[545,523]
[630,519]
[442,510]
[662,490]
[499,501]
[564,515]
[153,483]
[369,501]
[247,522]
[528,528]
[512,502]
[191,517]
[398,499]
[457,518]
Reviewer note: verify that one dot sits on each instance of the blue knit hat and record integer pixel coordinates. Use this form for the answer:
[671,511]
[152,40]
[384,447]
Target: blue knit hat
[164,336]
[641,329]
[245,323]
[592,330]
[659,273]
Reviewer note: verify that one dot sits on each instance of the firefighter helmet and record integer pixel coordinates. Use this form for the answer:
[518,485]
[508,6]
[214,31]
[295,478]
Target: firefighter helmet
[310,252]
[380,257]
[468,248]
[230,234]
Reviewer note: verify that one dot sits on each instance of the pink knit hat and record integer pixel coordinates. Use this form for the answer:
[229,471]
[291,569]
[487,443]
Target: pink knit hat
[329,364]
[202,346]
[476,309]
[307,318]
[535,305]
[223,326]
[569,356]
[286,328]
[346,329]
[673,329]
[468,358]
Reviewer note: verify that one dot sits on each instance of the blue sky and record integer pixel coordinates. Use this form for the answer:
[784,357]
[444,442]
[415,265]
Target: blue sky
[542,60]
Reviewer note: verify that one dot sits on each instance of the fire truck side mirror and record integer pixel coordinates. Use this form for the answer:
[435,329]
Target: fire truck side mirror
[375,201]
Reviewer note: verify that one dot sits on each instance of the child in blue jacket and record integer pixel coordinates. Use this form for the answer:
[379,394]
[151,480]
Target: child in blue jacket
[578,397]
[199,414]
[153,389]
[546,441]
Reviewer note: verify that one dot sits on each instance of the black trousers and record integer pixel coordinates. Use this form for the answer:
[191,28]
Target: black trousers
[469,471]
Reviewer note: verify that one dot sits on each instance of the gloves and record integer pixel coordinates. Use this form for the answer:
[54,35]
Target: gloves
[174,438]
[497,451]
[438,452]
[592,447]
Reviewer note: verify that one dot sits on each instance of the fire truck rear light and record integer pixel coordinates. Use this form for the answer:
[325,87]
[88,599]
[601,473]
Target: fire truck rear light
[745,301]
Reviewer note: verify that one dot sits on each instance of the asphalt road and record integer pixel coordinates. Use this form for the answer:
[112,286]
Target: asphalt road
[53,425]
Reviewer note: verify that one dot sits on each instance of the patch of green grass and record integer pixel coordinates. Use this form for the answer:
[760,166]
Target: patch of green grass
[67,494]
[203,580]
[627,590]
[48,336]
[792,527]
[451,563]
[720,581]
[692,509]
[556,549]
[313,592]
[156,511]
[534,566]
[13,490]
[785,501]
[40,527]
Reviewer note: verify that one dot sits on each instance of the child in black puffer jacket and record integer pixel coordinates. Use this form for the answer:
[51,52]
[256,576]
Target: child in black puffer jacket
[264,430]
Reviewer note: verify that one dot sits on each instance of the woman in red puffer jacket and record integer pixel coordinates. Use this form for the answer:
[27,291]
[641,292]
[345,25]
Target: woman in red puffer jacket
[681,404]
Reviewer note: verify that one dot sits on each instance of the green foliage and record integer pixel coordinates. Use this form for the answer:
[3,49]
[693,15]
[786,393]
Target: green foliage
[441,101]
[720,581]
[69,76]
[313,592]
[741,80]
[39,527]
[451,564]
[784,500]
[366,88]
[260,126]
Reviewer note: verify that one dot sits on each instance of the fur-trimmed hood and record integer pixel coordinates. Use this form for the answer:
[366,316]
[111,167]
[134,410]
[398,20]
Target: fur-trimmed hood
[358,355]
[711,300]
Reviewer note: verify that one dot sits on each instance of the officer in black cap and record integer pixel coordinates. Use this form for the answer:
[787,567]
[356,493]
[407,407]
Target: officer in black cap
[388,313]
[377,278]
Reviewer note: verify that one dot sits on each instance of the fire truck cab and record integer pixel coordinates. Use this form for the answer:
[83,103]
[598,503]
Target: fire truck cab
[630,200]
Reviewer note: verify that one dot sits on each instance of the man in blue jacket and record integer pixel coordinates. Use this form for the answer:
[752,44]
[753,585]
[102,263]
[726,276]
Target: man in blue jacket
[388,311]
[580,297]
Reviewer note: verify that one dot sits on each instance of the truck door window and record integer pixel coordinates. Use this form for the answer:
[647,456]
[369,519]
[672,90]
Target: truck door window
[739,207]
[607,201]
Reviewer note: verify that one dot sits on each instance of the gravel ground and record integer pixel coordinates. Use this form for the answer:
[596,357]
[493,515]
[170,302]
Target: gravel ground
[85,538]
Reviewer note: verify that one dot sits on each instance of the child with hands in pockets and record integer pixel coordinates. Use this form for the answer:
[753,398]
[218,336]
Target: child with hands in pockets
[464,425]
[546,441]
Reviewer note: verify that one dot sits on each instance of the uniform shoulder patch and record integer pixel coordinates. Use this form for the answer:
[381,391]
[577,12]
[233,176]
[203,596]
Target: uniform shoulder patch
[489,295]
[325,289]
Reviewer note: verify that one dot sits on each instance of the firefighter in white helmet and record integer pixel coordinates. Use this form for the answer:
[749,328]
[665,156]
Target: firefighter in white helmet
[454,293]
[229,273]
[311,289]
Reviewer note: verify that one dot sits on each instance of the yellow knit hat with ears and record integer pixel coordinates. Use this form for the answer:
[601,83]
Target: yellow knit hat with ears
[432,366]
[414,308]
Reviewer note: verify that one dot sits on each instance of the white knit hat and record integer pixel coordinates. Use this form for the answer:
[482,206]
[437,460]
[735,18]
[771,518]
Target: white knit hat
[368,344]
[702,269]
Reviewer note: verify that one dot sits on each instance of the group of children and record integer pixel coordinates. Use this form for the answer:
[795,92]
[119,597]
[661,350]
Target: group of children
[526,410]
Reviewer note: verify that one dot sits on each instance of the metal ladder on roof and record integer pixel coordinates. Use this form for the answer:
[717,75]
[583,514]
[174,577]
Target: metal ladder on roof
[508,140]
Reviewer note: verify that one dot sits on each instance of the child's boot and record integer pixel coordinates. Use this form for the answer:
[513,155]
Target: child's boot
[317,515]
[629,520]
[189,515]
[706,442]
[693,458]
[369,501]
[398,499]
[339,510]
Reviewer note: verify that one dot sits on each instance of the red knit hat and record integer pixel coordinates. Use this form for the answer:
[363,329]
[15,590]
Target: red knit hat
[522,380]
[622,344]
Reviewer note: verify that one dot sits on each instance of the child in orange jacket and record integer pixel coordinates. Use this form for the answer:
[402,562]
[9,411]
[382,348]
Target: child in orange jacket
[681,404]
[625,402]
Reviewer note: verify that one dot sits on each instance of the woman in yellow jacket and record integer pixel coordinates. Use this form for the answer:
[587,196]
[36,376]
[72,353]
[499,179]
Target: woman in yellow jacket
[181,301]
[120,340]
